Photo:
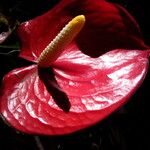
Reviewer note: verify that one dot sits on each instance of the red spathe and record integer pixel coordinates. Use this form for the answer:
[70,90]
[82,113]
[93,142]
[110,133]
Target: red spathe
[78,90]
[107,27]
[95,88]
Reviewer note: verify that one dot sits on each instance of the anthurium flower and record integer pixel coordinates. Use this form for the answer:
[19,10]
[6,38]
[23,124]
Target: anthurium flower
[71,90]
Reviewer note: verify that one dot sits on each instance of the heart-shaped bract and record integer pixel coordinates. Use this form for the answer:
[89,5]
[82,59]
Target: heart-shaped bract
[94,88]
[107,27]
[77,91]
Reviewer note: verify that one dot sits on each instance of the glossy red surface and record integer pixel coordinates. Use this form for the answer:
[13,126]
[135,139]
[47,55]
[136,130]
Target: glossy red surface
[107,27]
[77,91]
[94,87]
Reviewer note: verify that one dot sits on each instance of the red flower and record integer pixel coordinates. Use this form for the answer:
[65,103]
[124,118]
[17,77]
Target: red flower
[77,91]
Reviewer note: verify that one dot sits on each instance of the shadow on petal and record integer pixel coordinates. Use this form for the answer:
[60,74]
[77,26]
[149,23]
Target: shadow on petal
[60,97]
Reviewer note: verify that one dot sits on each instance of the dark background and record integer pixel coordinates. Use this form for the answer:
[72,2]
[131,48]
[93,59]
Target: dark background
[126,129]
[140,10]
